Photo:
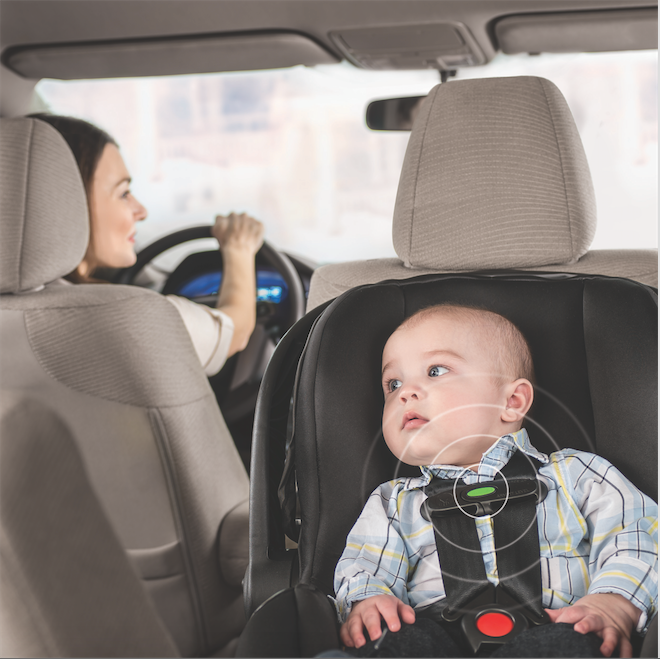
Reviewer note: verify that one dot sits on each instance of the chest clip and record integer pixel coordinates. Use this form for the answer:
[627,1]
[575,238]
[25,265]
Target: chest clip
[481,499]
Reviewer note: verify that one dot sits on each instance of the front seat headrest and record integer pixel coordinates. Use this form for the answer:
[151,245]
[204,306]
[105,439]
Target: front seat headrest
[495,176]
[44,222]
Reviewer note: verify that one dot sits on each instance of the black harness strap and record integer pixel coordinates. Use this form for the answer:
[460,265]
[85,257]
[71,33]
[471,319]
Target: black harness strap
[516,540]
[463,571]
[518,554]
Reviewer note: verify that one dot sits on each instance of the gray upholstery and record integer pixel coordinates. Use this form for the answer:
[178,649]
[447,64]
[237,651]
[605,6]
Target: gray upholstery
[233,545]
[43,209]
[494,177]
[329,281]
[68,589]
[117,364]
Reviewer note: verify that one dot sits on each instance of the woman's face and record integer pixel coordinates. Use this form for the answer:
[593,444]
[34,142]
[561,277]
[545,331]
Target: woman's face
[114,212]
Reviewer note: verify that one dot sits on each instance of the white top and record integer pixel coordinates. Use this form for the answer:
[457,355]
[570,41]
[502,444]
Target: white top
[210,330]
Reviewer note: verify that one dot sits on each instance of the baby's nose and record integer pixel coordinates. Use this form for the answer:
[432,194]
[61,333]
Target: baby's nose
[409,392]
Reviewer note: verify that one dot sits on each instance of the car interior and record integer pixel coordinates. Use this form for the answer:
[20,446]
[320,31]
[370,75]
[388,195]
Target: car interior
[148,510]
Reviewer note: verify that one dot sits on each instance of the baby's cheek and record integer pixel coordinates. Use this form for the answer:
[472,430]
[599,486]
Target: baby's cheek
[388,425]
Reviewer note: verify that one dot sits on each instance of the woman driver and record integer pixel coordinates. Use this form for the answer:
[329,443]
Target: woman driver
[113,213]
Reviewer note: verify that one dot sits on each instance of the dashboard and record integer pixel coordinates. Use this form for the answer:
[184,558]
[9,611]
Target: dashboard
[199,277]
[271,287]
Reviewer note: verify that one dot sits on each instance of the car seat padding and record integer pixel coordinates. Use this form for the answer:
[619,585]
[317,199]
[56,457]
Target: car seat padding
[340,454]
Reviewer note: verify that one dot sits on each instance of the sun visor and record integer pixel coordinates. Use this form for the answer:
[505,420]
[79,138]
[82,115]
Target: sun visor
[444,46]
[171,56]
[579,32]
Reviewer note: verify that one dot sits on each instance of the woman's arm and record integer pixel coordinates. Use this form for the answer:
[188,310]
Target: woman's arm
[210,331]
[240,237]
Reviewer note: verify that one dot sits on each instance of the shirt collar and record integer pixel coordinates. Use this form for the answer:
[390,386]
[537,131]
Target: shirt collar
[492,460]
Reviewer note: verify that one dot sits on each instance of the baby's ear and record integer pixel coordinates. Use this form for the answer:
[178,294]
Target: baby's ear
[520,394]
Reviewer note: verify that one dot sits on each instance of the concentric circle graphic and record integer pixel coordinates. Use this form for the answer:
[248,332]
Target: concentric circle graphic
[530,421]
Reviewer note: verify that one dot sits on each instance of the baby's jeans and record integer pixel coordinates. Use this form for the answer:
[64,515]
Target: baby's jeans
[427,638]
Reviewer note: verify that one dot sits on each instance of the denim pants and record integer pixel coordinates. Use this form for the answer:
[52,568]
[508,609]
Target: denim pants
[427,638]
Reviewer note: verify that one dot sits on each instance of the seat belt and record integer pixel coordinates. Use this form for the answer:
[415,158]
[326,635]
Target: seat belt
[489,615]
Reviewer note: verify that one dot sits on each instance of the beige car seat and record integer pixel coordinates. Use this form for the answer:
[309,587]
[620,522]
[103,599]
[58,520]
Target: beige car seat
[67,588]
[117,364]
[494,177]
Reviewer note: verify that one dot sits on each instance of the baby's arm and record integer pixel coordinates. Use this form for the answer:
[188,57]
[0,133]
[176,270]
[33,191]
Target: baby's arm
[372,574]
[609,615]
[622,527]
[368,613]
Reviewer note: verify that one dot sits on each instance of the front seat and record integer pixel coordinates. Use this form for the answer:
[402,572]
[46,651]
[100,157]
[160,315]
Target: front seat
[494,177]
[67,588]
[117,364]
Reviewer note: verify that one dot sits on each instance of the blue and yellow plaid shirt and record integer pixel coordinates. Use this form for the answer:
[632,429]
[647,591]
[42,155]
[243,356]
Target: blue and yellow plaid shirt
[597,534]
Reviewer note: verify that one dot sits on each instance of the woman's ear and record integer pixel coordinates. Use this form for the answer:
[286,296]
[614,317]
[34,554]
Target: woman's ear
[520,395]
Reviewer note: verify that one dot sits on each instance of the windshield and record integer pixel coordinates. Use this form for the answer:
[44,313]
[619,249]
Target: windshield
[291,146]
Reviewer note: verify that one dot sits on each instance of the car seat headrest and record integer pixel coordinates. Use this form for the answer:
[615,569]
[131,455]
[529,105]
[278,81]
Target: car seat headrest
[44,222]
[495,176]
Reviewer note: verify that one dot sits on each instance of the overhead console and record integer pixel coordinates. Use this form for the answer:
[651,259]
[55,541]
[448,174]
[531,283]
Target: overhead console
[443,46]
[166,56]
[574,32]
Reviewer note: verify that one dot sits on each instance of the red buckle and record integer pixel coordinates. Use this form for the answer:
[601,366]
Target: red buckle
[494,623]
[492,618]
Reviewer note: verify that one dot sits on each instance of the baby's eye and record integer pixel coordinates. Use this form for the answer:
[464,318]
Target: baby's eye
[392,385]
[437,371]
[126,194]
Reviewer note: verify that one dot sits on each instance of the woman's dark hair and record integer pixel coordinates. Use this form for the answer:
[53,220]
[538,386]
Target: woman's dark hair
[86,140]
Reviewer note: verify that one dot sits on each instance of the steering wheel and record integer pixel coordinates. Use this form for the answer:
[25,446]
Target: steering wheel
[236,385]
[267,253]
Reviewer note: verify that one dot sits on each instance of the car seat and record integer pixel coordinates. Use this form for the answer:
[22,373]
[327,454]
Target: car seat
[117,364]
[526,203]
[594,344]
[67,587]
[495,176]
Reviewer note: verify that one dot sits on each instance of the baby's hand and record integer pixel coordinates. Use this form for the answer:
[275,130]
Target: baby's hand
[367,613]
[610,615]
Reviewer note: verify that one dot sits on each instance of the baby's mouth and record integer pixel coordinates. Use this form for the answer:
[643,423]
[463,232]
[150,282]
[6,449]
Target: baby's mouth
[412,420]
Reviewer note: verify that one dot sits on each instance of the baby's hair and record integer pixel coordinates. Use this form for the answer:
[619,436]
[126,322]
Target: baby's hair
[514,355]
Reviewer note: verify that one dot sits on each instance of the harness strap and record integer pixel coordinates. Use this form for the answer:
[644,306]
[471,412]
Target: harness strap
[518,555]
[463,571]
[516,545]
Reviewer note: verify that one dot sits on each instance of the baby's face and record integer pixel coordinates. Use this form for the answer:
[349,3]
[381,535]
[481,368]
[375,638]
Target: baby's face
[443,401]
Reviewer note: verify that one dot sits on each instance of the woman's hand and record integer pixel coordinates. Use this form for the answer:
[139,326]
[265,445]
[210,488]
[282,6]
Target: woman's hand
[238,232]
[240,237]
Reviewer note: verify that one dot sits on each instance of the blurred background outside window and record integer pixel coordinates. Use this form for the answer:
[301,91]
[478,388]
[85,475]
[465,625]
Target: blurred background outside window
[291,146]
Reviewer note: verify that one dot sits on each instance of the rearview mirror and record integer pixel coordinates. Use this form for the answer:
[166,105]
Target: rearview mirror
[393,113]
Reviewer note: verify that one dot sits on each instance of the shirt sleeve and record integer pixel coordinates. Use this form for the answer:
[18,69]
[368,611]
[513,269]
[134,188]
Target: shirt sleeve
[623,527]
[375,560]
[210,330]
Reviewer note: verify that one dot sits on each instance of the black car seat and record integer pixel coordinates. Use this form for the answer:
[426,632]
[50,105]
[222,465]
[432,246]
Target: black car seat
[495,176]
[520,214]
[117,364]
[594,344]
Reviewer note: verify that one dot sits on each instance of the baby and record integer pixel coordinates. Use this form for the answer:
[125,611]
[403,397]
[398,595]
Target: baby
[457,383]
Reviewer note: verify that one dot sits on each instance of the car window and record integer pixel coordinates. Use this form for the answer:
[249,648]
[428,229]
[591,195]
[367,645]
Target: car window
[291,146]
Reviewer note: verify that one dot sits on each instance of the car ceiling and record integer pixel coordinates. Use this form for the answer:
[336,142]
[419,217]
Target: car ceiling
[37,22]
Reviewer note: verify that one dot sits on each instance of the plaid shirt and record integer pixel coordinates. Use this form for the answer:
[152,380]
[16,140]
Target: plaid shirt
[597,534]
